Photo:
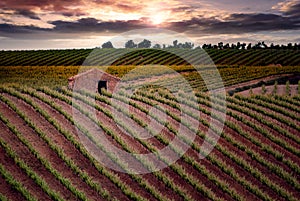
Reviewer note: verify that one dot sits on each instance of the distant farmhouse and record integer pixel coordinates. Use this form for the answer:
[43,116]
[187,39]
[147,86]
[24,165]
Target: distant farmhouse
[93,80]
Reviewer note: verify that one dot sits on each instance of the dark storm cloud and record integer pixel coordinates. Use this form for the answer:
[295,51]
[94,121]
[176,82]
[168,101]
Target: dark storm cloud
[238,23]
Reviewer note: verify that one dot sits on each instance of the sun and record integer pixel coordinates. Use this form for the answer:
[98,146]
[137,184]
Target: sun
[158,18]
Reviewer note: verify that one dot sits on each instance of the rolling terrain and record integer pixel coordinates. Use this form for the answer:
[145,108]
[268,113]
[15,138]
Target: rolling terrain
[112,56]
[43,157]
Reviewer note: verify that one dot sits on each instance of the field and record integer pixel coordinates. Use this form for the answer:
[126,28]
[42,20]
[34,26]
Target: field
[256,157]
[99,57]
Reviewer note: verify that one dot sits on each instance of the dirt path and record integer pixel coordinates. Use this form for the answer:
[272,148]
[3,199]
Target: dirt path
[281,90]
[209,166]
[138,148]
[252,82]
[47,152]
[124,177]
[76,155]
[25,154]
[263,169]
[7,190]
[19,175]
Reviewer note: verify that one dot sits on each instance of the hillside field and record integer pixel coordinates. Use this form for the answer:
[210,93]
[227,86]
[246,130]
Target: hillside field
[257,157]
[119,57]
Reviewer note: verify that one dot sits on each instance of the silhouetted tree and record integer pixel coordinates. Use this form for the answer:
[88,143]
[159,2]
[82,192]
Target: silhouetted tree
[238,45]
[249,46]
[243,46]
[226,46]
[130,44]
[283,47]
[144,44]
[157,46]
[220,45]
[188,45]
[264,45]
[175,43]
[107,45]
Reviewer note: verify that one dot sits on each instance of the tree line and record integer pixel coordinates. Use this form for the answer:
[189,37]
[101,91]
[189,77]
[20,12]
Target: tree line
[188,45]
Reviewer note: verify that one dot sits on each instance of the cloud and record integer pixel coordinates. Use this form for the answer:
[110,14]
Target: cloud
[293,10]
[288,8]
[50,5]
[28,14]
[27,8]
[237,23]
[15,29]
[127,7]
[94,25]
[233,24]
[82,26]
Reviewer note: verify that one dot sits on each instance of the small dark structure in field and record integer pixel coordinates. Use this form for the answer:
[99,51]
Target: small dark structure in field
[93,80]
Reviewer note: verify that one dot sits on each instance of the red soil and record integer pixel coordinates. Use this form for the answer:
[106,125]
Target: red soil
[134,144]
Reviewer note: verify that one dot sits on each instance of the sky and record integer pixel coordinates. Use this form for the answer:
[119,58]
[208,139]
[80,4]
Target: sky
[64,24]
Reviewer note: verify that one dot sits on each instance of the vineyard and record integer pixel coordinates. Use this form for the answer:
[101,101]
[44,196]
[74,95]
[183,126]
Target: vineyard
[57,76]
[256,158]
[44,154]
[259,57]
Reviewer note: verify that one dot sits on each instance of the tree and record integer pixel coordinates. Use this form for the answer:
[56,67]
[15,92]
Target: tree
[187,45]
[226,46]
[175,43]
[296,46]
[157,46]
[144,44]
[249,46]
[130,44]
[238,45]
[220,45]
[243,46]
[264,45]
[107,45]
[258,45]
